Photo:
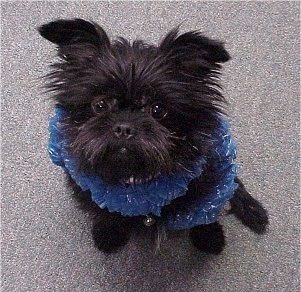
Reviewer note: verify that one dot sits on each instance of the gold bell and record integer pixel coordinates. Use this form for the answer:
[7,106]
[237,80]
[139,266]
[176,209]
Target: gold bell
[149,221]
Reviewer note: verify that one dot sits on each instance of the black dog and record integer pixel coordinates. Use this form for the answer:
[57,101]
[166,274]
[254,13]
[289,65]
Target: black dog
[137,113]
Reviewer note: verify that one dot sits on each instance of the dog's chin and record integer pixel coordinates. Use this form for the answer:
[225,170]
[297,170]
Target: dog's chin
[124,167]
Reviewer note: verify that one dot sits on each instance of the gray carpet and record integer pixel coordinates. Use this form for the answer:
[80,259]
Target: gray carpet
[46,244]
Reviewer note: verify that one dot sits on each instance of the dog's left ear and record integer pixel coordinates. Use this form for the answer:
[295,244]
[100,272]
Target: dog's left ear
[192,49]
[65,32]
[75,34]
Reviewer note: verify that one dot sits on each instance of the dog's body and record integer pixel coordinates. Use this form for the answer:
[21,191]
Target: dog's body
[137,114]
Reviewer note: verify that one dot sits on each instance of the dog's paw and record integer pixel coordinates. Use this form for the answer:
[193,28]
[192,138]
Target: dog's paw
[208,238]
[109,239]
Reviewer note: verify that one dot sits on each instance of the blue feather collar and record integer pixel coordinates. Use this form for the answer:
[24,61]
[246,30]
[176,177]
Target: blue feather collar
[149,198]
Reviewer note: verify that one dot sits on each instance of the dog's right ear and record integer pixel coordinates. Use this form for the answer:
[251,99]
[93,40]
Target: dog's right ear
[74,32]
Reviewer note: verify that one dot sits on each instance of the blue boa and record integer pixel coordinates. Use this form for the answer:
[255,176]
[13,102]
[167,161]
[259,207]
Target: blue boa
[149,198]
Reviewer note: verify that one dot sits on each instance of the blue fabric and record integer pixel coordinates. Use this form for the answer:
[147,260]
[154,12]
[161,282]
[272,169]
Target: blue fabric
[150,197]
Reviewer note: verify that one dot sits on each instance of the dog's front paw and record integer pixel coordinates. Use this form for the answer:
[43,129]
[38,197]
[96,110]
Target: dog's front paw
[208,238]
[109,239]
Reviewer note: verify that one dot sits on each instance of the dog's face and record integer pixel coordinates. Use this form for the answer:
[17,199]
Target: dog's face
[136,110]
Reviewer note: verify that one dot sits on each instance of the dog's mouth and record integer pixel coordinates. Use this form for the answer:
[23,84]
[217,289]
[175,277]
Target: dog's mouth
[127,167]
[137,181]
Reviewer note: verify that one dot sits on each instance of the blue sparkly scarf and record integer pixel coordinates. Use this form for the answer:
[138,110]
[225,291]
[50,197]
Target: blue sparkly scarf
[149,198]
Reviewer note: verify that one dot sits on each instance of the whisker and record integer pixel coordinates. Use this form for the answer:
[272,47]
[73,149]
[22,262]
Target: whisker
[172,136]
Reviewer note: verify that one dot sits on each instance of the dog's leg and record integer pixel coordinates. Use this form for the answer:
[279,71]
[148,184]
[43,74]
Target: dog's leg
[208,238]
[248,210]
[111,233]
[110,230]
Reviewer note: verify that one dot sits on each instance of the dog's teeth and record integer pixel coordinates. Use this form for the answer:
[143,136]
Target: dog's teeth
[133,180]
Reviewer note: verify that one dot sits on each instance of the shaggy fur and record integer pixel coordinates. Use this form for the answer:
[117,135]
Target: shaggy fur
[132,102]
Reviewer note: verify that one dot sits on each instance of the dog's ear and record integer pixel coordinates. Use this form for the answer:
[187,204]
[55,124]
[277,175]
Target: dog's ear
[76,32]
[192,50]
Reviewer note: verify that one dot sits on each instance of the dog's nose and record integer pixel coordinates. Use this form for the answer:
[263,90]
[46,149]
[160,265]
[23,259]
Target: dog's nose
[123,131]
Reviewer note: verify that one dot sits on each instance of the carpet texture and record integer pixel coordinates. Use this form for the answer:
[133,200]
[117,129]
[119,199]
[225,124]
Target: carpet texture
[46,241]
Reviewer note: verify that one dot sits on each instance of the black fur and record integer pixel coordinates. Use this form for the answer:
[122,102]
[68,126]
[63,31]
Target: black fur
[248,210]
[140,102]
[208,238]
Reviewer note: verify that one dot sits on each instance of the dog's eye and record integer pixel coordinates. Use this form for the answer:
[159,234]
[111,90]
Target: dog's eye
[158,111]
[99,106]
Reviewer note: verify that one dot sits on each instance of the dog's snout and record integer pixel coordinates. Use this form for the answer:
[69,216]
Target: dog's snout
[124,131]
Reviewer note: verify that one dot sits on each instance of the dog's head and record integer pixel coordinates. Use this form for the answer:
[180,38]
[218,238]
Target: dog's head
[136,110]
